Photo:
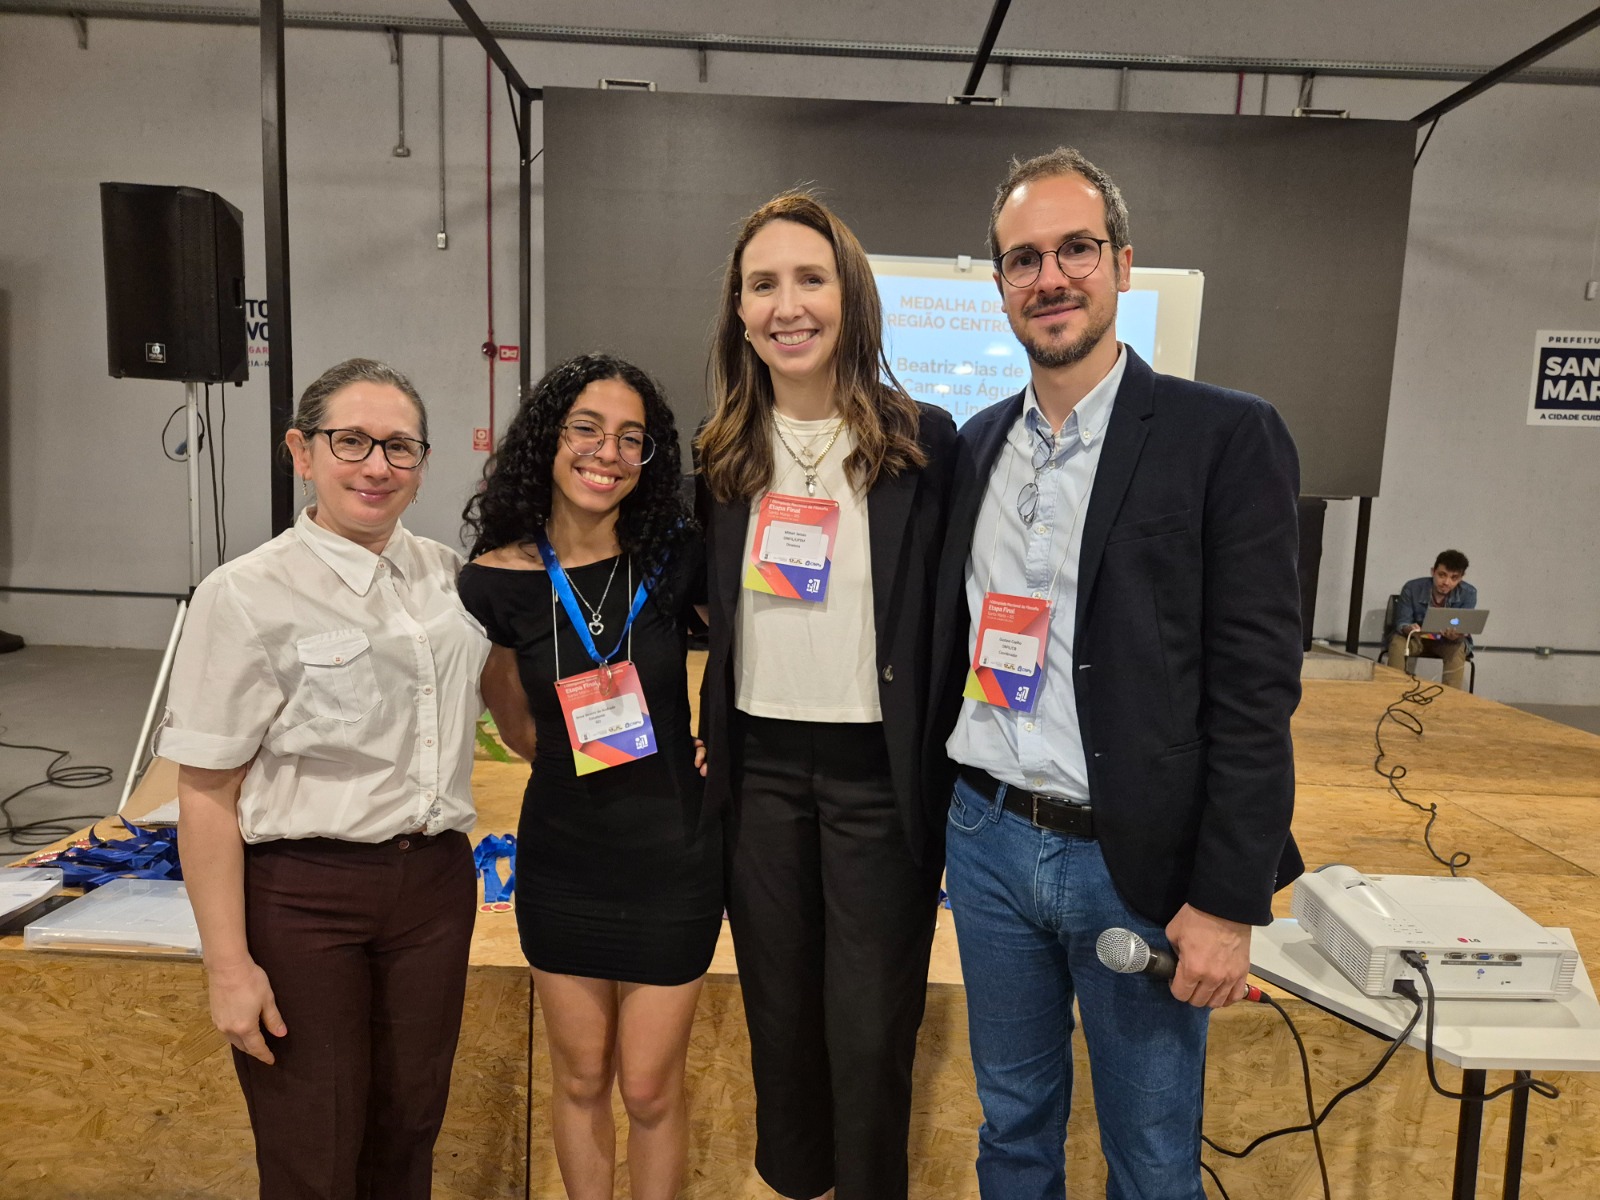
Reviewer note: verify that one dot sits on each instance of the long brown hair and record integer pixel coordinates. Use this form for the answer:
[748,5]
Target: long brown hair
[736,444]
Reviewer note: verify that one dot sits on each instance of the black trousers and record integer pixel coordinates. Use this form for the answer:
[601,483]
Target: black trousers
[832,922]
[366,950]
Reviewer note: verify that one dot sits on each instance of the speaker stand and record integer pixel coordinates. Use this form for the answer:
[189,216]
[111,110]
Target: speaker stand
[158,695]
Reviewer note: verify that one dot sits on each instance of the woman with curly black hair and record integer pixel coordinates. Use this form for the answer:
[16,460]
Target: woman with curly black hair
[585,568]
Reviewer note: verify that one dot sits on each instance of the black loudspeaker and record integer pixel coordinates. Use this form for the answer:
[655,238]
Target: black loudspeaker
[174,284]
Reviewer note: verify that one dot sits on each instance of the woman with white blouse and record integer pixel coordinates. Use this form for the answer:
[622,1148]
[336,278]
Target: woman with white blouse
[823,491]
[322,711]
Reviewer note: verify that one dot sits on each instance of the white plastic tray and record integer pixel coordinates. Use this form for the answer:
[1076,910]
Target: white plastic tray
[125,916]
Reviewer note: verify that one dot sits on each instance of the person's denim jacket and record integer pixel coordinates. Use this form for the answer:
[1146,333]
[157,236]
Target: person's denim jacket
[1416,597]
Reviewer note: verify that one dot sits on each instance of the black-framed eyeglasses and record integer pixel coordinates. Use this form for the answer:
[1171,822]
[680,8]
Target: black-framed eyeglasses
[1076,258]
[1028,498]
[584,438]
[351,445]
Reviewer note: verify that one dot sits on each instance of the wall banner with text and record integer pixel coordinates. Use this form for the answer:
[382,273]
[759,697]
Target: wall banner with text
[1566,379]
[255,331]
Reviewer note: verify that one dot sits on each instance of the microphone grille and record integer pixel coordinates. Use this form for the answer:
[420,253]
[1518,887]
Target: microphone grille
[1122,950]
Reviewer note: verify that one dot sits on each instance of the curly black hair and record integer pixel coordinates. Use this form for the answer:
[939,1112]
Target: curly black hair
[512,506]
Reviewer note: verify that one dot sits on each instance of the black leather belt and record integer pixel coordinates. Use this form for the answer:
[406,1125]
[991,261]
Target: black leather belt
[1047,812]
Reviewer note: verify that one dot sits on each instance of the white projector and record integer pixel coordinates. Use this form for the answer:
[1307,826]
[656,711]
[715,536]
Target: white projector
[1477,945]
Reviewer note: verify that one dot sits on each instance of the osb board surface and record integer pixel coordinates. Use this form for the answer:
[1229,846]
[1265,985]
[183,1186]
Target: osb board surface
[1373,830]
[1468,743]
[114,1084]
[944,1126]
[497,790]
[159,1079]
[1391,1141]
[1528,834]
[1394,1139]
[1568,826]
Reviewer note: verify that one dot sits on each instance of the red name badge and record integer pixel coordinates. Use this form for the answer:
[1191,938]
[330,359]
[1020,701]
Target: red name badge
[1008,660]
[608,721]
[793,548]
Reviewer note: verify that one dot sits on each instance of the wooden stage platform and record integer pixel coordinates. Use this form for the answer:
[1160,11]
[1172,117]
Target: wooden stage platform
[114,1086]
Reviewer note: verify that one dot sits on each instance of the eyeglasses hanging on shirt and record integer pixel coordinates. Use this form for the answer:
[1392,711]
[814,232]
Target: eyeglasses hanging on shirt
[1028,498]
[1008,655]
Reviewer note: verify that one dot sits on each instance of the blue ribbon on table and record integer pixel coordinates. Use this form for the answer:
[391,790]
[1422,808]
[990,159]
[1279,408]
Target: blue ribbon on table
[144,854]
[486,858]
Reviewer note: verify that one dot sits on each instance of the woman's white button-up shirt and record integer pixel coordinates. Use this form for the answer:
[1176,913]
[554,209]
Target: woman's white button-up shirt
[348,680]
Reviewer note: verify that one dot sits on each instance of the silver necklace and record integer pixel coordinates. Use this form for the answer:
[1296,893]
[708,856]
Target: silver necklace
[596,625]
[803,458]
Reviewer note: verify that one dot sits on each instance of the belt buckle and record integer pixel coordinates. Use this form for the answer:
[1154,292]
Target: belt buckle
[1065,817]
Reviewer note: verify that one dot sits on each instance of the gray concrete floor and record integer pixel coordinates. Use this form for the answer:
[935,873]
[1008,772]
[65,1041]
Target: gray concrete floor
[1579,716]
[85,700]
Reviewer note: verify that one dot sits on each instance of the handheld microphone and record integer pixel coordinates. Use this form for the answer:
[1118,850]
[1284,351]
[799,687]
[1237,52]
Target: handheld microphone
[1126,953]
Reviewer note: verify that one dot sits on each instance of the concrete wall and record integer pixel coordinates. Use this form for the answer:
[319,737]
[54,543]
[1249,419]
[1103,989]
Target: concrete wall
[1503,221]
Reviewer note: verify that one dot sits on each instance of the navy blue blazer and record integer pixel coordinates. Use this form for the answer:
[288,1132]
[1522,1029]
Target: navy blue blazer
[1187,647]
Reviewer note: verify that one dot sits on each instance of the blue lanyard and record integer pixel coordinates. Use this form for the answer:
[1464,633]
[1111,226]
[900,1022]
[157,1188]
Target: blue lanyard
[569,601]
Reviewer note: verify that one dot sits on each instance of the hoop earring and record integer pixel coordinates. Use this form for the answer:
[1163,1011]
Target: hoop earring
[747,335]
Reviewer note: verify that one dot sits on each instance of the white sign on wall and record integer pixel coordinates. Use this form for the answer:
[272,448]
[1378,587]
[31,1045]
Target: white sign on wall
[255,331]
[1566,379]
[949,343]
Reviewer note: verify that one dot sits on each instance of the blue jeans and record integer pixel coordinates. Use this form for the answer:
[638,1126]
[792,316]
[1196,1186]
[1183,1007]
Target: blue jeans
[1029,905]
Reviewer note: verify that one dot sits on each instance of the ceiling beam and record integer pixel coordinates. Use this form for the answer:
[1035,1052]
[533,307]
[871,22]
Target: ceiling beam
[493,48]
[1510,67]
[997,18]
[813,47]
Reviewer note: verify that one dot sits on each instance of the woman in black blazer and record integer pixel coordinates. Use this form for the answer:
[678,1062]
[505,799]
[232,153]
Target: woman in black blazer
[823,490]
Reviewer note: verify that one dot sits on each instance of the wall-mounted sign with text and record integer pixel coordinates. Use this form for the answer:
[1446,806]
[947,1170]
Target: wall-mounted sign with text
[255,331]
[1566,379]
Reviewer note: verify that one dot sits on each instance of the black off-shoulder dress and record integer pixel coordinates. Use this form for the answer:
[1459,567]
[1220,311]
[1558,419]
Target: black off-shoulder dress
[617,875]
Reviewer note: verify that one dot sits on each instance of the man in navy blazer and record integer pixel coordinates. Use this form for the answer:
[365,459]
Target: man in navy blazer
[1118,631]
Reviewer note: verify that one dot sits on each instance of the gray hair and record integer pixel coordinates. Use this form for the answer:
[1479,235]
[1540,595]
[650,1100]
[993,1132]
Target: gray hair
[312,410]
[1063,160]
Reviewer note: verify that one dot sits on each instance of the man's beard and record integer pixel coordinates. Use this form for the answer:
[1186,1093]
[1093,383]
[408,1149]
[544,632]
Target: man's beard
[1057,354]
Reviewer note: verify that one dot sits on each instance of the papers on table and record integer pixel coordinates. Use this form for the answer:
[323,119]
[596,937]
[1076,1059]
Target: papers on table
[23,887]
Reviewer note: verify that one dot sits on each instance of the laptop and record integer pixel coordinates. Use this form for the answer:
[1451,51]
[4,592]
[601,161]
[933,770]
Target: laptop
[1455,620]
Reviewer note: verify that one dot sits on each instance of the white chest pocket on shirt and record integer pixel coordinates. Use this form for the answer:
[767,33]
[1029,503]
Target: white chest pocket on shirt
[339,680]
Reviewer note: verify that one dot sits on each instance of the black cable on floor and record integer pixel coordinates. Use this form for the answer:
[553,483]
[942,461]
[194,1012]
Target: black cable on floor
[1419,695]
[1206,1167]
[32,834]
[1327,1108]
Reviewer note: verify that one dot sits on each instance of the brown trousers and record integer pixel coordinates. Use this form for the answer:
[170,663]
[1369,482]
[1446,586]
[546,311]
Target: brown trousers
[1454,655]
[366,950]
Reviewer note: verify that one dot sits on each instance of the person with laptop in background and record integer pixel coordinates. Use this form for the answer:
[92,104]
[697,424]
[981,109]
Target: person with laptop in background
[1444,587]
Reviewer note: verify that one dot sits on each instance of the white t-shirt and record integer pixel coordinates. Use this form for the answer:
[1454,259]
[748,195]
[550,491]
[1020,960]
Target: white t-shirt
[348,681]
[793,659]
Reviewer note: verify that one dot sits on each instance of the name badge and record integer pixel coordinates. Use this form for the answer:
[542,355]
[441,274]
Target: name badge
[793,548]
[1008,660]
[608,721]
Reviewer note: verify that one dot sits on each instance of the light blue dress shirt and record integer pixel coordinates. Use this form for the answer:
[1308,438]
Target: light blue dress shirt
[1041,751]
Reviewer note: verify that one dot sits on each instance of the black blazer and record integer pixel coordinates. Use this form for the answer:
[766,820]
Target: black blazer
[906,525]
[1186,657]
